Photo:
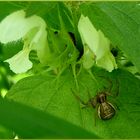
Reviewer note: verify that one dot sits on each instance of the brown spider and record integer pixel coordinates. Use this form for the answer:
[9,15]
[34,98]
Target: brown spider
[106,110]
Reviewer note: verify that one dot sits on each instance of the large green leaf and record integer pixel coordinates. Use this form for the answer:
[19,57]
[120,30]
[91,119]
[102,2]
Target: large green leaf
[53,94]
[120,22]
[4,133]
[28,122]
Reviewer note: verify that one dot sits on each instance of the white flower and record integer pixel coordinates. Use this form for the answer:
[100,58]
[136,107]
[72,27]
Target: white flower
[32,30]
[96,46]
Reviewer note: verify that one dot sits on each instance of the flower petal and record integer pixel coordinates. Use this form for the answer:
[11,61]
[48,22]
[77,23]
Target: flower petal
[16,25]
[97,43]
[20,62]
[88,58]
[107,62]
[32,30]
[42,47]
[88,33]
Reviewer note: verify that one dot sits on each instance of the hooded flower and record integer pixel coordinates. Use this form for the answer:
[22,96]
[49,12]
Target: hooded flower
[96,46]
[32,30]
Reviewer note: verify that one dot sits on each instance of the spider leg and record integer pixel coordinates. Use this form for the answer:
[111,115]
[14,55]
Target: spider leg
[117,90]
[109,94]
[114,103]
[96,113]
[110,84]
[79,99]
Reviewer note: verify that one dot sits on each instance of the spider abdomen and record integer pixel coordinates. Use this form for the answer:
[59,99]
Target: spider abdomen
[106,111]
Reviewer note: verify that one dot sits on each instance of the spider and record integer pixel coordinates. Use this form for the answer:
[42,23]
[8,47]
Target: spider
[105,109]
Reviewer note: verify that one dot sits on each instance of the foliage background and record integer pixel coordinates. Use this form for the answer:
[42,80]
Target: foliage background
[45,93]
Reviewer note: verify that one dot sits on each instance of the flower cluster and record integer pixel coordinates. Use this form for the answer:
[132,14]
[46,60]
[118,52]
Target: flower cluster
[32,31]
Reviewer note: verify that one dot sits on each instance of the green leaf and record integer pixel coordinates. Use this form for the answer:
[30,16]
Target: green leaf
[62,51]
[47,9]
[119,21]
[54,95]
[7,7]
[43,9]
[31,123]
[4,133]
[7,52]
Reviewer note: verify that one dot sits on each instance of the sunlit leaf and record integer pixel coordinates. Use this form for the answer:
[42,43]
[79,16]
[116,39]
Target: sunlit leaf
[54,95]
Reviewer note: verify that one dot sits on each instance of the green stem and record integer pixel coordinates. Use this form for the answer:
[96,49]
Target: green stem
[75,77]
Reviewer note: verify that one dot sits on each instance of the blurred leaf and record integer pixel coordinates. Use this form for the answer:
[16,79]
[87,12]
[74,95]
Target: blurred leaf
[53,94]
[28,122]
[5,134]
[120,22]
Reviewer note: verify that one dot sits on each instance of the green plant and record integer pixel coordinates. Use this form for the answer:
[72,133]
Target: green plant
[62,47]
